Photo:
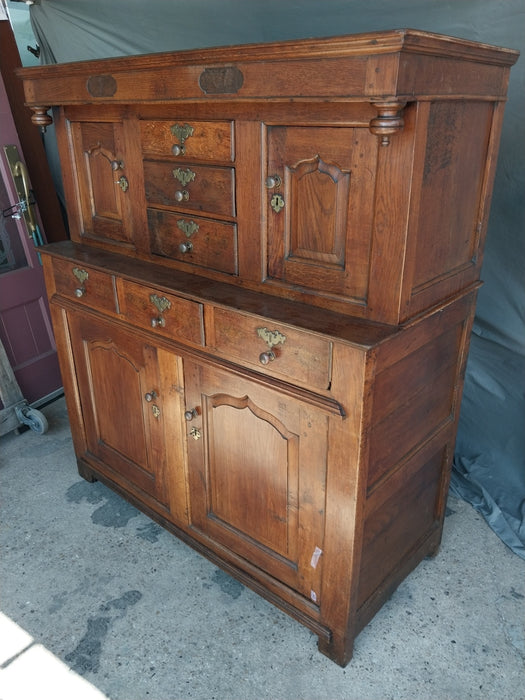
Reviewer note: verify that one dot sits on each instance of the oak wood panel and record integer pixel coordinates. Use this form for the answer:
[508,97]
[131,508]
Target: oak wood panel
[402,513]
[413,399]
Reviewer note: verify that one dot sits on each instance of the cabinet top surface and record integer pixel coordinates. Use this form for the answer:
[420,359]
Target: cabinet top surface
[311,59]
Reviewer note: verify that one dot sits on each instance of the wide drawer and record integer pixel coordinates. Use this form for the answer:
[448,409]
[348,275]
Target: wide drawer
[85,285]
[165,314]
[203,188]
[199,140]
[204,242]
[275,349]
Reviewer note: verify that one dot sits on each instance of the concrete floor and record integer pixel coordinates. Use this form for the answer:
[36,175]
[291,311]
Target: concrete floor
[98,601]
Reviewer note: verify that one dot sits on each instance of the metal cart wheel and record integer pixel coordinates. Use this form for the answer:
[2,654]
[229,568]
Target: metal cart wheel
[34,418]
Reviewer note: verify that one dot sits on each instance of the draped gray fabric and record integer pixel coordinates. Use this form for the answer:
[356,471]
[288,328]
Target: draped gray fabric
[490,453]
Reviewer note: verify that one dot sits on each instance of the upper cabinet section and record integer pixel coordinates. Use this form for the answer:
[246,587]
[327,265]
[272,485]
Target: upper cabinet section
[352,173]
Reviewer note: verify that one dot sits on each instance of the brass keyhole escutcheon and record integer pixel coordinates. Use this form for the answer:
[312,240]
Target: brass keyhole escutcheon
[155,410]
[277,203]
[195,433]
[123,183]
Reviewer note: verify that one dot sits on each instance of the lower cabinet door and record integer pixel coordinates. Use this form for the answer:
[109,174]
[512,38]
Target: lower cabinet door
[131,396]
[257,472]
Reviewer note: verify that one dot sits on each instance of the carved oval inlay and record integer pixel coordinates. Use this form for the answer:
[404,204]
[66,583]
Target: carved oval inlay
[220,81]
[102,86]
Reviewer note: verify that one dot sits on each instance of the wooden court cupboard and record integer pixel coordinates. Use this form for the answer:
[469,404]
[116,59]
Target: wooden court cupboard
[264,309]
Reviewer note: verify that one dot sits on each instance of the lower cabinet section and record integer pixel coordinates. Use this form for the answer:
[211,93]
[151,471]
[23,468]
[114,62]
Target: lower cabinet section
[320,496]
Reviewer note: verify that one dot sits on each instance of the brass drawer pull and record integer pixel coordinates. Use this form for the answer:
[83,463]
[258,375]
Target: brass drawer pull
[181,133]
[161,304]
[186,247]
[271,338]
[182,195]
[266,357]
[81,275]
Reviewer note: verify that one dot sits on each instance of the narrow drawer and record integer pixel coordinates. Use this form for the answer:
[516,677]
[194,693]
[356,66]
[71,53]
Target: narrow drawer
[203,242]
[203,188]
[85,285]
[162,313]
[298,356]
[198,140]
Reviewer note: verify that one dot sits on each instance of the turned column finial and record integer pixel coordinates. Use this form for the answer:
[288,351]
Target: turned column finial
[40,117]
[389,120]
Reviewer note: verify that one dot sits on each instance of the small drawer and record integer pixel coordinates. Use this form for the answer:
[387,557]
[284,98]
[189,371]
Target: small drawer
[198,140]
[204,242]
[275,349]
[198,188]
[85,285]
[163,313]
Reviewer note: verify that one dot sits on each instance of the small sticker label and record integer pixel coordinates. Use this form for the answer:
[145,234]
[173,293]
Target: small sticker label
[315,558]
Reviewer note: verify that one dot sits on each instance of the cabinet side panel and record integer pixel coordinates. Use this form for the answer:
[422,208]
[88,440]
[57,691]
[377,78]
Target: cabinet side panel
[418,386]
[399,515]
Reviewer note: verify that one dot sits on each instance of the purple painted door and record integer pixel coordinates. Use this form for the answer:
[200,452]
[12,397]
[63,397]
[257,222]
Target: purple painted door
[25,327]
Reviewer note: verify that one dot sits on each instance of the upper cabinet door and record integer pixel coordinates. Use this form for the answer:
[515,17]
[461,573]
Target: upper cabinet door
[101,190]
[320,192]
[257,473]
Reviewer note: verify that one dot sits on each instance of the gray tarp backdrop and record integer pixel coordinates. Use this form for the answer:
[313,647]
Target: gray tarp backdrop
[490,454]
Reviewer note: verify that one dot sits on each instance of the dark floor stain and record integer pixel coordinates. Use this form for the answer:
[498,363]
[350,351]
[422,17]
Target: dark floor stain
[84,491]
[227,584]
[149,532]
[122,603]
[87,654]
[115,512]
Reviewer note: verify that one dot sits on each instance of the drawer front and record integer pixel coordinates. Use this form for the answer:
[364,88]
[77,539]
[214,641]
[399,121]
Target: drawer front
[298,356]
[85,285]
[199,140]
[162,313]
[204,242]
[198,188]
